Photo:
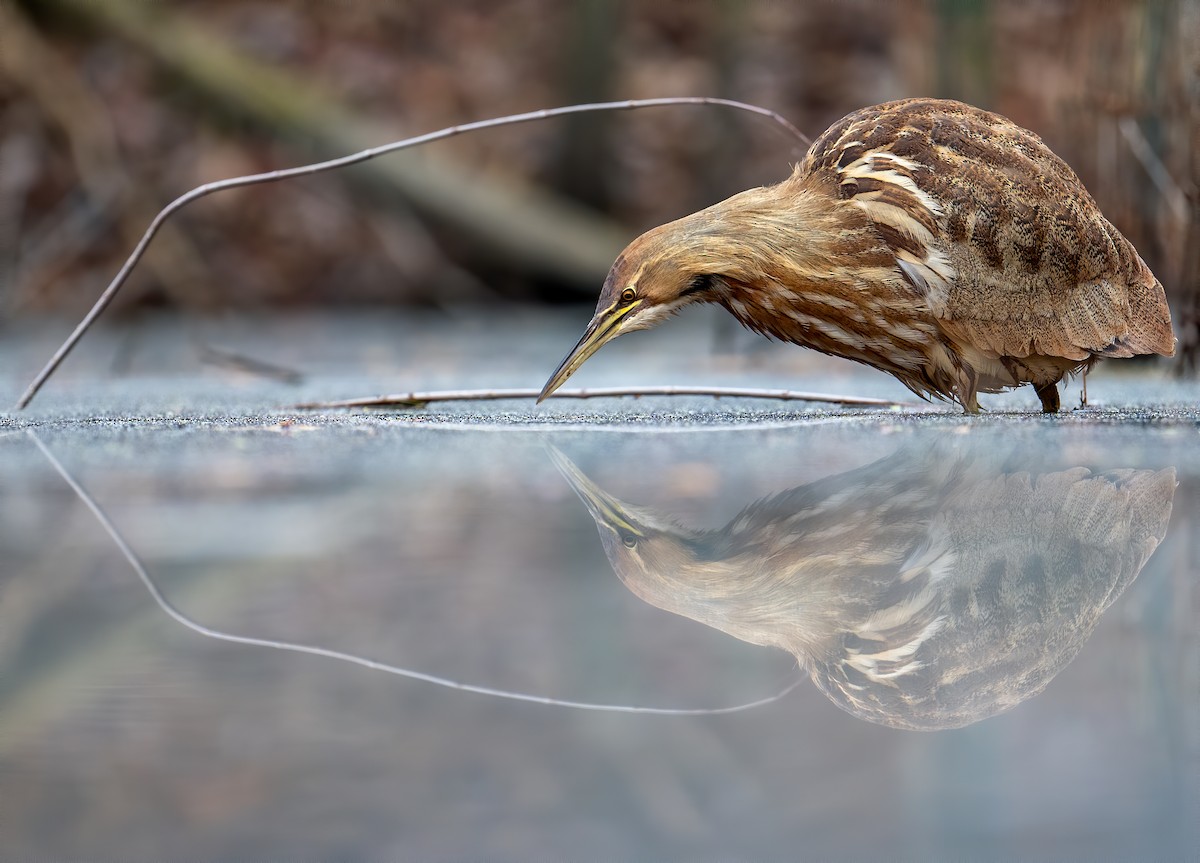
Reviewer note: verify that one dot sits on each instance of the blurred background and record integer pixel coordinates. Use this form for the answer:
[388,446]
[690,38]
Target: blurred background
[462,552]
[108,110]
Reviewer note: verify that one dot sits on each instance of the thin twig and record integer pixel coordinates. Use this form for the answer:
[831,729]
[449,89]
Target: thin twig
[250,365]
[208,632]
[1154,167]
[362,156]
[420,399]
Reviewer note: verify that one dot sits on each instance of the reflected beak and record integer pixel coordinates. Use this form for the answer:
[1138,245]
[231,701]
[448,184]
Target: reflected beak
[603,328]
[604,508]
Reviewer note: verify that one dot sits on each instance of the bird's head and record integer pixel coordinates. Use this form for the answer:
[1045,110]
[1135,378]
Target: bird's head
[639,542]
[658,274]
[696,574]
[755,239]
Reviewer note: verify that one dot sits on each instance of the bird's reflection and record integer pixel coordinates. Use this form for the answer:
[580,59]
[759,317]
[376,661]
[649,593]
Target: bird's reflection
[930,589]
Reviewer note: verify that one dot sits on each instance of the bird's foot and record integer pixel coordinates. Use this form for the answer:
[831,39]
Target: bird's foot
[1048,393]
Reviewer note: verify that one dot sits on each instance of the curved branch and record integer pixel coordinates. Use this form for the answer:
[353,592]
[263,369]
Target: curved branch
[362,156]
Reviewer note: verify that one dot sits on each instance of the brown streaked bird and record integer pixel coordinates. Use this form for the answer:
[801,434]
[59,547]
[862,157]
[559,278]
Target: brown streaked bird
[926,238]
[928,590]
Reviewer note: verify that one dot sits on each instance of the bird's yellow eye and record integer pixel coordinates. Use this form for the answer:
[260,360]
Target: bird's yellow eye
[628,295]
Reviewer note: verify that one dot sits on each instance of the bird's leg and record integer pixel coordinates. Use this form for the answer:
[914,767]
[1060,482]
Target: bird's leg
[1048,393]
[1083,397]
[968,388]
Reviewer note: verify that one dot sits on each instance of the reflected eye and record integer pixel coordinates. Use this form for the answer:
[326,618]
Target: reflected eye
[629,539]
[628,295]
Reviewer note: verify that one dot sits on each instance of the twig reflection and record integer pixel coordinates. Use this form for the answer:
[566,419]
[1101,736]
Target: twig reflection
[209,632]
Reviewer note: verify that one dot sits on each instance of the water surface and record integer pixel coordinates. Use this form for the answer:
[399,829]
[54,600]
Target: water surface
[687,630]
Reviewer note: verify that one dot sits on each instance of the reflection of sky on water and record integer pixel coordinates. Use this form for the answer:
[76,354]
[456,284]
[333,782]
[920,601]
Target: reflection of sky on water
[951,576]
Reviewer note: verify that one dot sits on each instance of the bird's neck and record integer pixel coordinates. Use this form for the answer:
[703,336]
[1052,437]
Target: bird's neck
[782,254]
[741,598]
[798,264]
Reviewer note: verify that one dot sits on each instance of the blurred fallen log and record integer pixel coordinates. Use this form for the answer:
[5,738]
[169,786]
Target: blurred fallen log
[542,230]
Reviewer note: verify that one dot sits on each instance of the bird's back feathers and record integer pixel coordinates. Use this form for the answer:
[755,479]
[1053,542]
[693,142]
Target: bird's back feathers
[1012,253]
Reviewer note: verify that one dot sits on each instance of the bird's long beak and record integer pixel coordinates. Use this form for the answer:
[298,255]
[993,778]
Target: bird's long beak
[604,508]
[603,328]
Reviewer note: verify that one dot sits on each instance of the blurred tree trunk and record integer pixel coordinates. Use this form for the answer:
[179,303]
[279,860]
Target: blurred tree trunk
[1189,101]
[1188,323]
[965,58]
[587,72]
[726,141]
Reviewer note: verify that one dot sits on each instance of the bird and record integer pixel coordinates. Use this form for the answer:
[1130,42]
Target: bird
[931,589]
[927,238]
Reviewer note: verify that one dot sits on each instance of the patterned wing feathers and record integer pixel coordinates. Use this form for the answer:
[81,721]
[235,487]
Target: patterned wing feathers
[996,232]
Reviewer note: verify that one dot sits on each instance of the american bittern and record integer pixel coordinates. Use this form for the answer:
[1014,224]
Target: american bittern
[927,238]
[927,590]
